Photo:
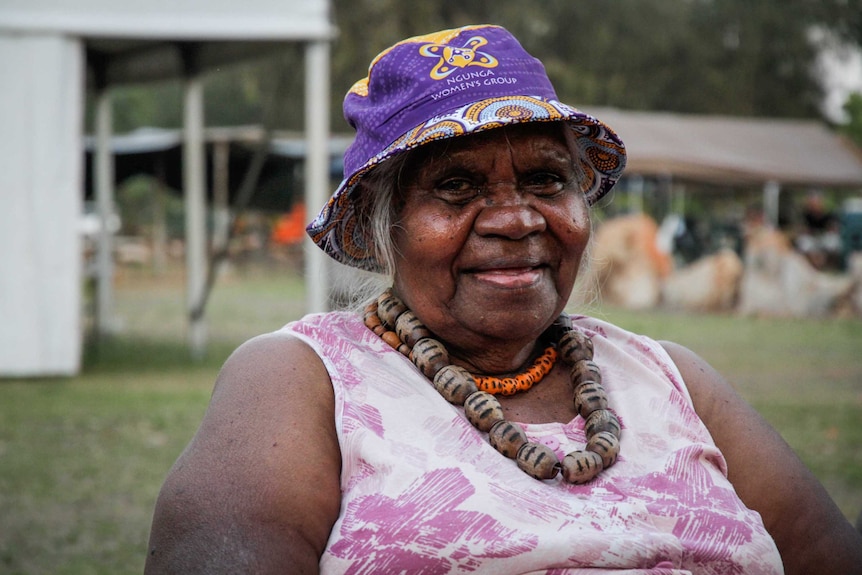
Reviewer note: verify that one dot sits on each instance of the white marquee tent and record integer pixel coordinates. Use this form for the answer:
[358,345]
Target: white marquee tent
[50,54]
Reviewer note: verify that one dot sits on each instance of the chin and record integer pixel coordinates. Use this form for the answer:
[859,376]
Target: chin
[512,320]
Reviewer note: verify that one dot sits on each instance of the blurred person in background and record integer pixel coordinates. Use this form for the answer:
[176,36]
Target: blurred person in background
[820,237]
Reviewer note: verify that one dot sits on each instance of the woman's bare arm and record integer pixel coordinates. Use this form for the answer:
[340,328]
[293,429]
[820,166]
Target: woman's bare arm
[811,533]
[258,488]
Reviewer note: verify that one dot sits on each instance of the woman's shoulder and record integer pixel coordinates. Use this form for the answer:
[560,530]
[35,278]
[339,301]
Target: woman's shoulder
[296,343]
[326,326]
[621,350]
[336,341]
[607,334]
[271,361]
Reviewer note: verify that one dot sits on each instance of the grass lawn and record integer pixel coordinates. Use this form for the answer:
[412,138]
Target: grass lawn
[82,459]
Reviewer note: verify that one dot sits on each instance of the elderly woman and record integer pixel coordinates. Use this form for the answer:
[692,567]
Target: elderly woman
[462,422]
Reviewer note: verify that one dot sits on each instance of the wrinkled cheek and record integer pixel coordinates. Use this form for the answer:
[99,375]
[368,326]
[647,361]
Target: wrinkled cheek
[416,258]
[578,241]
[581,244]
[417,246]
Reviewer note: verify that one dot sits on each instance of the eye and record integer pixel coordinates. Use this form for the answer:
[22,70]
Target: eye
[457,190]
[544,183]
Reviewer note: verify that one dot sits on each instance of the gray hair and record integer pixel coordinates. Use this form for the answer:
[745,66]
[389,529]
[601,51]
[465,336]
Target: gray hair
[376,213]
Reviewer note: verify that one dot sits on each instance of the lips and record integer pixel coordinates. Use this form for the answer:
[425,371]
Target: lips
[507,262]
[509,272]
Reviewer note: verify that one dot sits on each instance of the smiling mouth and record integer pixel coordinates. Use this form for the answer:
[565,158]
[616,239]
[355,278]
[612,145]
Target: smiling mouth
[510,277]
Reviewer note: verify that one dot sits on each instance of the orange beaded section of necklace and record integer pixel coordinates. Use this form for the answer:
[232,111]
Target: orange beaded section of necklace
[521,382]
[487,383]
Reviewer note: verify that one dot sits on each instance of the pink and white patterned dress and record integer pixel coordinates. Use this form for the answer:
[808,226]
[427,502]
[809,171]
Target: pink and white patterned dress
[424,492]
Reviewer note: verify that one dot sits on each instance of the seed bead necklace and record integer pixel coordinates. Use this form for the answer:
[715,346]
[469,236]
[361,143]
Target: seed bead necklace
[521,382]
[394,323]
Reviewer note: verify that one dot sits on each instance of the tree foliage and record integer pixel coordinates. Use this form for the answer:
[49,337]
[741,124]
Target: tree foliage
[729,57]
[853,128]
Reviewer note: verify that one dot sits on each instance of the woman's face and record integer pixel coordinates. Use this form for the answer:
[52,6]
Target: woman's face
[489,234]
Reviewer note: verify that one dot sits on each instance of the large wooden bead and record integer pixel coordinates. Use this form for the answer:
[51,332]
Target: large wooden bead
[602,420]
[575,346]
[507,438]
[483,410]
[561,325]
[410,329]
[389,307]
[585,370]
[454,383]
[429,356]
[606,445]
[581,466]
[589,397]
[538,460]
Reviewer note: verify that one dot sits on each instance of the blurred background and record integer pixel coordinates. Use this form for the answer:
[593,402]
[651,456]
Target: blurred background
[159,162]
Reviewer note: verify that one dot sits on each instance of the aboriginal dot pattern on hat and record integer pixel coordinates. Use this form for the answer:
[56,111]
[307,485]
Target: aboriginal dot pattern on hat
[445,85]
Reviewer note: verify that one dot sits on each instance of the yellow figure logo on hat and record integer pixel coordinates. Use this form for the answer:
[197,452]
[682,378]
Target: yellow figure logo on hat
[452,58]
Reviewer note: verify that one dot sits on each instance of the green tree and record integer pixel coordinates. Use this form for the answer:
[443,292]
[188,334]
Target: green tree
[853,128]
[730,57]
[734,57]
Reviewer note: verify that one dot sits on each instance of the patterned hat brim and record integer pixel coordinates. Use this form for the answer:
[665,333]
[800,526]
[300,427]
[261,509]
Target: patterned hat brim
[602,157]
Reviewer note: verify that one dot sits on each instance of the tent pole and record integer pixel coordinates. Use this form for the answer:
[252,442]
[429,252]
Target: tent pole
[160,225]
[221,199]
[771,196]
[316,166]
[194,172]
[636,194]
[104,181]
[679,199]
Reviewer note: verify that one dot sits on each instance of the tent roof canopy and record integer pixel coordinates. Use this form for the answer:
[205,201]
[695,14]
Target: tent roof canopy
[160,39]
[157,152]
[735,150]
[114,61]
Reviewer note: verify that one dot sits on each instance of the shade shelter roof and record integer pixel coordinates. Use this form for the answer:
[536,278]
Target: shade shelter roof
[735,150]
[157,152]
[142,41]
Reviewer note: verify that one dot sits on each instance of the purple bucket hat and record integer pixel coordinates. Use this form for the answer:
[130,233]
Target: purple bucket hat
[443,85]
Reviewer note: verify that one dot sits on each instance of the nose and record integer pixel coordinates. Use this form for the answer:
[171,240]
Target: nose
[508,214]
